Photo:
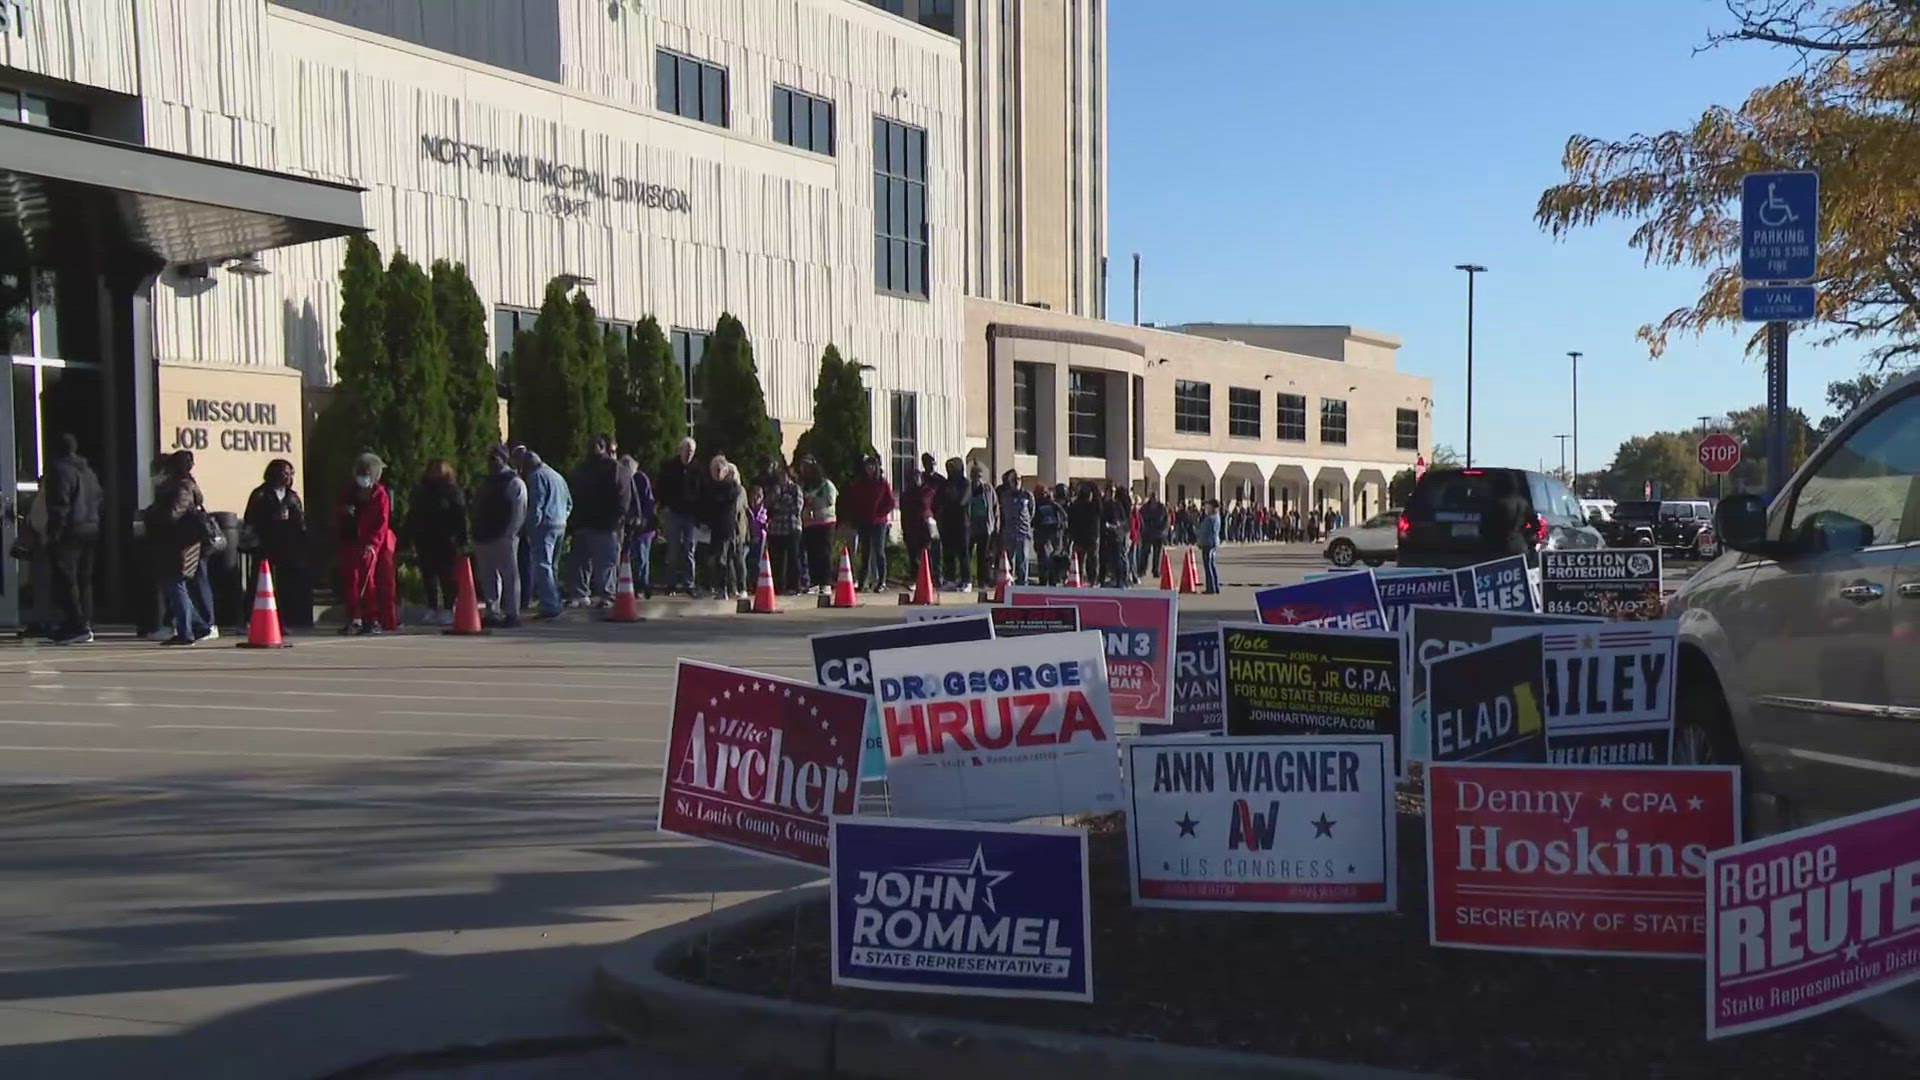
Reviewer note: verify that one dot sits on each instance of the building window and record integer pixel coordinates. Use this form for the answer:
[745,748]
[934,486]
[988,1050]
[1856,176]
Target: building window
[1192,407]
[1243,412]
[1086,413]
[900,231]
[802,120]
[1293,418]
[689,348]
[1025,379]
[1406,429]
[903,445]
[1333,421]
[691,88]
[508,324]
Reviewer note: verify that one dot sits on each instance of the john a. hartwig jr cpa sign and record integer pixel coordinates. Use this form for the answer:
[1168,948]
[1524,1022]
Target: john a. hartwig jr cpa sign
[575,186]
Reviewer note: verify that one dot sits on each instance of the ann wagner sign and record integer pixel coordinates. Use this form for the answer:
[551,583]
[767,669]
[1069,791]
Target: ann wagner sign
[574,186]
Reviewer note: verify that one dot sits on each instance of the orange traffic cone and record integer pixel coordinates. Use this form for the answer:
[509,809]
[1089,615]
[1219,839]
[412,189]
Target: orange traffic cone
[922,593]
[1001,583]
[626,606]
[842,584]
[762,602]
[1190,575]
[1166,571]
[466,604]
[263,632]
[1073,573]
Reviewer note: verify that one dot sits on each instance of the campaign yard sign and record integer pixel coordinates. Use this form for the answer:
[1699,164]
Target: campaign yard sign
[1139,627]
[999,730]
[1432,633]
[1029,619]
[1288,681]
[759,763]
[1608,691]
[1401,593]
[1613,583]
[950,907]
[841,660]
[1262,823]
[937,613]
[1198,701]
[1575,858]
[1485,704]
[1497,585]
[1807,921]
[1341,602]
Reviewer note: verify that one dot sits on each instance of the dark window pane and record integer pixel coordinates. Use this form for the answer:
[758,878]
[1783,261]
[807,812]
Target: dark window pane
[713,96]
[687,102]
[917,269]
[45,292]
[897,209]
[897,149]
[916,223]
[18,328]
[879,145]
[782,124]
[899,273]
[823,126]
[9,110]
[880,249]
[664,81]
[916,167]
[26,434]
[881,185]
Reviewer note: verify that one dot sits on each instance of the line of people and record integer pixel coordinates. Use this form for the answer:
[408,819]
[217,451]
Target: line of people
[1245,523]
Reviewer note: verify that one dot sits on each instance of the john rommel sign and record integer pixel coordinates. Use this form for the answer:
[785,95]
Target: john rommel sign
[575,186]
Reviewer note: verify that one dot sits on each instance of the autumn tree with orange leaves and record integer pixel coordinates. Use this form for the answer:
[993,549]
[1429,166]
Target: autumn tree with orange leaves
[1850,111]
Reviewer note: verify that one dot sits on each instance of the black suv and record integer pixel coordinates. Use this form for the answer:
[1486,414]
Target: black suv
[1682,527]
[1453,518]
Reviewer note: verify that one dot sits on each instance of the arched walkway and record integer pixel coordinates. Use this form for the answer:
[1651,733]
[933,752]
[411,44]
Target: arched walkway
[1289,486]
[1331,490]
[1242,480]
[1190,480]
[1370,493]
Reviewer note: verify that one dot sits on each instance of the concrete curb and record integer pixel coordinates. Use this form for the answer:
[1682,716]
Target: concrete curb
[633,994]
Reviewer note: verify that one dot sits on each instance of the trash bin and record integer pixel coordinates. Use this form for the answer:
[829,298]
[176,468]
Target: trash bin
[232,604]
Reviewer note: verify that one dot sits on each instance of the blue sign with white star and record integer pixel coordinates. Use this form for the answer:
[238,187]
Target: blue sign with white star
[954,907]
[1343,602]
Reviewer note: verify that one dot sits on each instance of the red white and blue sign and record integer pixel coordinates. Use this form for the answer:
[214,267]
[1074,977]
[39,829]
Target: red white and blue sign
[1138,627]
[842,660]
[1199,703]
[1341,602]
[946,907]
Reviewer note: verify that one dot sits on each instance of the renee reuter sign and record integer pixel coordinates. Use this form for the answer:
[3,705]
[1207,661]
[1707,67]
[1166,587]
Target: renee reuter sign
[572,184]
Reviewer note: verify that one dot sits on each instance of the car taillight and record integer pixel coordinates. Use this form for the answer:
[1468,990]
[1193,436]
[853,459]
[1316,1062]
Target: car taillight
[1537,529]
[1403,526]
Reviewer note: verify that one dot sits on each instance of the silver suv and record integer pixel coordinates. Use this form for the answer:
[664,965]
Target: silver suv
[1800,646]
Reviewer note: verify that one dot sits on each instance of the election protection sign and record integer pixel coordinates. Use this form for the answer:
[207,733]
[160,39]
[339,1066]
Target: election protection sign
[759,763]
[1807,921]
[1029,619]
[1575,858]
[1288,681]
[1485,704]
[1613,583]
[841,660]
[1342,602]
[1432,633]
[1401,593]
[1138,626]
[1198,704]
[1608,691]
[950,907]
[1297,823]
[998,730]
[1499,585]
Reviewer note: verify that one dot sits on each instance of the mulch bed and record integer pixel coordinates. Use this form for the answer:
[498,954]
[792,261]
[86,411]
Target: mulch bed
[1360,988]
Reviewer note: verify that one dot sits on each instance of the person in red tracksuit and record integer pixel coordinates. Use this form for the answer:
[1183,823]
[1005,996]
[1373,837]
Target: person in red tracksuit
[365,532]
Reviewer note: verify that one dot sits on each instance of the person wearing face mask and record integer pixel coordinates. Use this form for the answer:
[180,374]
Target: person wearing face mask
[275,530]
[365,534]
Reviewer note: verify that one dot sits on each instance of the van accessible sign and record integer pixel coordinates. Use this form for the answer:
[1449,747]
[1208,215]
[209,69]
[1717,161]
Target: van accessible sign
[565,178]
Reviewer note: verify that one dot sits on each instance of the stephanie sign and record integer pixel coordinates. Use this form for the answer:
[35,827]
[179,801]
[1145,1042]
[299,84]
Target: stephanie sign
[1138,627]
[841,660]
[759,763]
[1401,593]
[1287,681]
[1299,823]
[1807,921]
[1341,602]
[998,730]
[1574,858]
[951,907]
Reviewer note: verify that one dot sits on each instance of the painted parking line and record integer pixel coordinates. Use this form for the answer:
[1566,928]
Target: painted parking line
[442,759]
[402,734]
[331,694]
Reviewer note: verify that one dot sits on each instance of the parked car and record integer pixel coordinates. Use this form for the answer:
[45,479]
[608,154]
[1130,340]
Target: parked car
[1798,645]
[1597,510]
[1454,517]
[1682,527]
[1373,541]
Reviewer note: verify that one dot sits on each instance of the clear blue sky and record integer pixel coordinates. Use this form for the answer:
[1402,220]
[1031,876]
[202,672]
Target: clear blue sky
[1294,161]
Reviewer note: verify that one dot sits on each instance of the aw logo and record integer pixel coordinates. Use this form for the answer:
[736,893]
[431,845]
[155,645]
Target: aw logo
[1253,830]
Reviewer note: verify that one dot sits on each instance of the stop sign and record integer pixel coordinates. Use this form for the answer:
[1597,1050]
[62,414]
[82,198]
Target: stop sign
[1719,452]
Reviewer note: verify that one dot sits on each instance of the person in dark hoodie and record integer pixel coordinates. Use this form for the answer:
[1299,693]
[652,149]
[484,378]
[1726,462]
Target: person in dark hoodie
[72,495]
[919,529]
[499,509]
[1116,524]
[276,526]
[950,506]
[601,503]
[1083,529]
[437,531]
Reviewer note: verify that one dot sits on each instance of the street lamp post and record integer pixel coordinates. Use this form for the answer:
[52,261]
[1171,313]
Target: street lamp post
[1574,476]
[1471,269]
[1563,454]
